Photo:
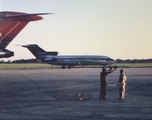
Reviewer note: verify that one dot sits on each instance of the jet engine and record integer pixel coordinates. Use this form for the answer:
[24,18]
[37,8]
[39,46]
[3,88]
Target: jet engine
[6,53]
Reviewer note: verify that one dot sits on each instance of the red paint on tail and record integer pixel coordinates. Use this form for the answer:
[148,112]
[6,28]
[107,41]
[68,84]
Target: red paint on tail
[11,23]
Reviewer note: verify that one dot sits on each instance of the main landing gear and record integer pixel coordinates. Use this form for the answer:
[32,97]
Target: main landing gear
[63,67]
[69,66]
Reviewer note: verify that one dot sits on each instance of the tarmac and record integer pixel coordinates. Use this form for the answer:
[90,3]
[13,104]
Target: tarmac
[49,94]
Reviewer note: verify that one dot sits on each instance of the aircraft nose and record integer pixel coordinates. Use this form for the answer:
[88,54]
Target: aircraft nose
[112,60]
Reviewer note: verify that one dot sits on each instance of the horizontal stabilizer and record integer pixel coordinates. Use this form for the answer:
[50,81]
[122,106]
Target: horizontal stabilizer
[27,15]
[18,16]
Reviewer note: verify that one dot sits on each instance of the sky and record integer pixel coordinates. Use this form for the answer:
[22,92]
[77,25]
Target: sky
[121,29]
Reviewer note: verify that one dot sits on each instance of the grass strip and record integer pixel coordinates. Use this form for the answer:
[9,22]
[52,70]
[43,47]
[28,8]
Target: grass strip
[48,66]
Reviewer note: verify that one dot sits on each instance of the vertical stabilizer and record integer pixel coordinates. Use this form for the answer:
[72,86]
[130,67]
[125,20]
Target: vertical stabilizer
[35,50]
[11,23]
[38,52]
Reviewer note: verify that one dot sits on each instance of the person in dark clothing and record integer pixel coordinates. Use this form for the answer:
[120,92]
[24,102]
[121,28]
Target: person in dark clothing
[122,84]
[103,81]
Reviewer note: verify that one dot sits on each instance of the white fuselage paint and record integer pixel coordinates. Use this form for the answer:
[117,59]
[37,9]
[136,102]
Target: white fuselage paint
[78,60]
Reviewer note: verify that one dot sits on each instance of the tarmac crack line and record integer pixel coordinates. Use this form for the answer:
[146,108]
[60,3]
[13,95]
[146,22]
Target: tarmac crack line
[40,88]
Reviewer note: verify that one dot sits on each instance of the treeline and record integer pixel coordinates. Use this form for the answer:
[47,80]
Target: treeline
[134,61]
[20,61]
[25,61]
[117,60]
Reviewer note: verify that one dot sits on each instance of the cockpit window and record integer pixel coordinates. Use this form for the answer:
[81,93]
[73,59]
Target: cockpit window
[109,59]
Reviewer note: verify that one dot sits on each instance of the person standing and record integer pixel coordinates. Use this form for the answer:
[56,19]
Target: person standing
[122,84]
[103,81]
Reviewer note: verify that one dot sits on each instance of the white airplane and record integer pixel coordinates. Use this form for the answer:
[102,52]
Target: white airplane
[11,24]
[67,60]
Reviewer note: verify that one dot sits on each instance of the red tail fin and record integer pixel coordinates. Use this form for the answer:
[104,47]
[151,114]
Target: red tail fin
[11,23]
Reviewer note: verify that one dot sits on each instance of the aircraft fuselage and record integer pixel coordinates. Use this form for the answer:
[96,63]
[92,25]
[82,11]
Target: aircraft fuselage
[78,60]
[67,60]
